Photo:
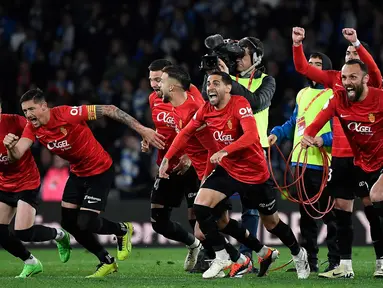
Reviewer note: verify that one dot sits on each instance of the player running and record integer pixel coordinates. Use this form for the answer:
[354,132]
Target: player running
[63,131]
[360,111]
[168,193]
[19,189]
[174,84]
[242,168]
[342,156]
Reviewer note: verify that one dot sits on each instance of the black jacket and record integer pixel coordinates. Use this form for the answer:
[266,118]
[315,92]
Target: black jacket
[260,99]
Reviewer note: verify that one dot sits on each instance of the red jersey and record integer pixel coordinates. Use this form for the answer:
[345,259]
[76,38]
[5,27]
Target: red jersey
[362,123]
[332,79]
[234,130]
[196,148]
[21,175]
[68,135]
[164,122]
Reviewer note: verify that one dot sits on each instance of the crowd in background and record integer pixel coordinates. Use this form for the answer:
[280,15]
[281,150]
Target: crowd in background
[98,52]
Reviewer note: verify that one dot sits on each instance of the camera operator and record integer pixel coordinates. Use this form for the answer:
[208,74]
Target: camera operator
[257,87]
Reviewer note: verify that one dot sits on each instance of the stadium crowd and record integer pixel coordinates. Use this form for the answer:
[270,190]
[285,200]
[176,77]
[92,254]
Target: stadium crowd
[99,52]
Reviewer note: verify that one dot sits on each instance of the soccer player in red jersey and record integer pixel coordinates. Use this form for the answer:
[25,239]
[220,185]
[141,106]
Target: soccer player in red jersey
[174,85]
[241,168]
[63,131]
[360,111]
[168,193]
[342,165]
[19,189]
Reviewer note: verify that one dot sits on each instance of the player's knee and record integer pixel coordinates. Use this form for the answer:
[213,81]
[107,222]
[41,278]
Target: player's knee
[270,221]
[202,212]
[88,220]
[160,218]
[25,235]
[205,218]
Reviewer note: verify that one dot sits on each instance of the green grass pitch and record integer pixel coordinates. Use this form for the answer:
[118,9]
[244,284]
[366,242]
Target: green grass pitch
[163,267]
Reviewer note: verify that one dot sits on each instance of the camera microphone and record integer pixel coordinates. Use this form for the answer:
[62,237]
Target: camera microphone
[214,41]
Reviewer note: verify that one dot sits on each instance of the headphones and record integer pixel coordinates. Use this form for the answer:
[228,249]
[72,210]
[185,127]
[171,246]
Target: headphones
[257,59]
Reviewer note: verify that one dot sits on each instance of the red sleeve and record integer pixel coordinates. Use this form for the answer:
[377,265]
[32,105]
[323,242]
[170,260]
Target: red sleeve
[28,132]
[325,115]
[327,78]
[196,93]
[77,114]
[373,69]
[181,140]
[248,124]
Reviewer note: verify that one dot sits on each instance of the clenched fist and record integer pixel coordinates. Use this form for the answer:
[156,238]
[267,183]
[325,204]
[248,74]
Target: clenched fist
[272,139]
[350,35]
[298,35]
[10,141]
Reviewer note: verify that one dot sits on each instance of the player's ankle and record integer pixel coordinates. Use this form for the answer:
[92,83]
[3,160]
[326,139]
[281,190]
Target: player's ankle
[195,244]
[31,260]
[60,234]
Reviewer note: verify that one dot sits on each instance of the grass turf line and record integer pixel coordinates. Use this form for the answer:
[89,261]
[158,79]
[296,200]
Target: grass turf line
[163,267]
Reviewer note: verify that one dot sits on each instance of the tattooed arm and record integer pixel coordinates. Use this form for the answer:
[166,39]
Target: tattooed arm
[117,114]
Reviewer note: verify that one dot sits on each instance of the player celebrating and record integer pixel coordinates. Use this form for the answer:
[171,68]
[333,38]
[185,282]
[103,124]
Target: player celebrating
[168,193]
[342,156]
[242,168]
[19,189]
[63,130]
[360,111]
[174,84]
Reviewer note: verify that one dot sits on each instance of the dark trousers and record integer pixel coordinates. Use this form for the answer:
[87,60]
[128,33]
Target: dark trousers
[310,227]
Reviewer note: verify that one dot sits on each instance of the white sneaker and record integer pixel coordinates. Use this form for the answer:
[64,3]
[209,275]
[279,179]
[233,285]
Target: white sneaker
[216,269]
[191,257]
[302,264]
[379,269]
[342,271]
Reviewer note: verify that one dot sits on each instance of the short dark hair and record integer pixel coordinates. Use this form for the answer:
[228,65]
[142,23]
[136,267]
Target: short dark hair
[37,95]
[226,79]
[365,45]
[253,44]
[180,74]
[159,64]
[361,64]
[316,55]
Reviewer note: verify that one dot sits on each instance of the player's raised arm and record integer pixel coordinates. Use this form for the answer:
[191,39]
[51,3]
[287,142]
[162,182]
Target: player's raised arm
[181,141]
[325,77]
[328,112]
[115,113]
[373,69]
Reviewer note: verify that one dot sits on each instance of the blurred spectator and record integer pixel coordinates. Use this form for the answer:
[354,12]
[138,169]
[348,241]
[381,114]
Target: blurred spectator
[98,52]
[55,179]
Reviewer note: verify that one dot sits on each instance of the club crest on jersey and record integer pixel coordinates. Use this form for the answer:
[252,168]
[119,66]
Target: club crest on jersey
[229,124]
[371,117]
[63,130]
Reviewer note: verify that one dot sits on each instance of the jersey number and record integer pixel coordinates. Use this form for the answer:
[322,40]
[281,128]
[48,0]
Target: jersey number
[329,175]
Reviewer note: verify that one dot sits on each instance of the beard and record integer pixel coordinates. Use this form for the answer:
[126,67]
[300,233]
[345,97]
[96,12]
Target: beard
[165,98]
[354,92]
